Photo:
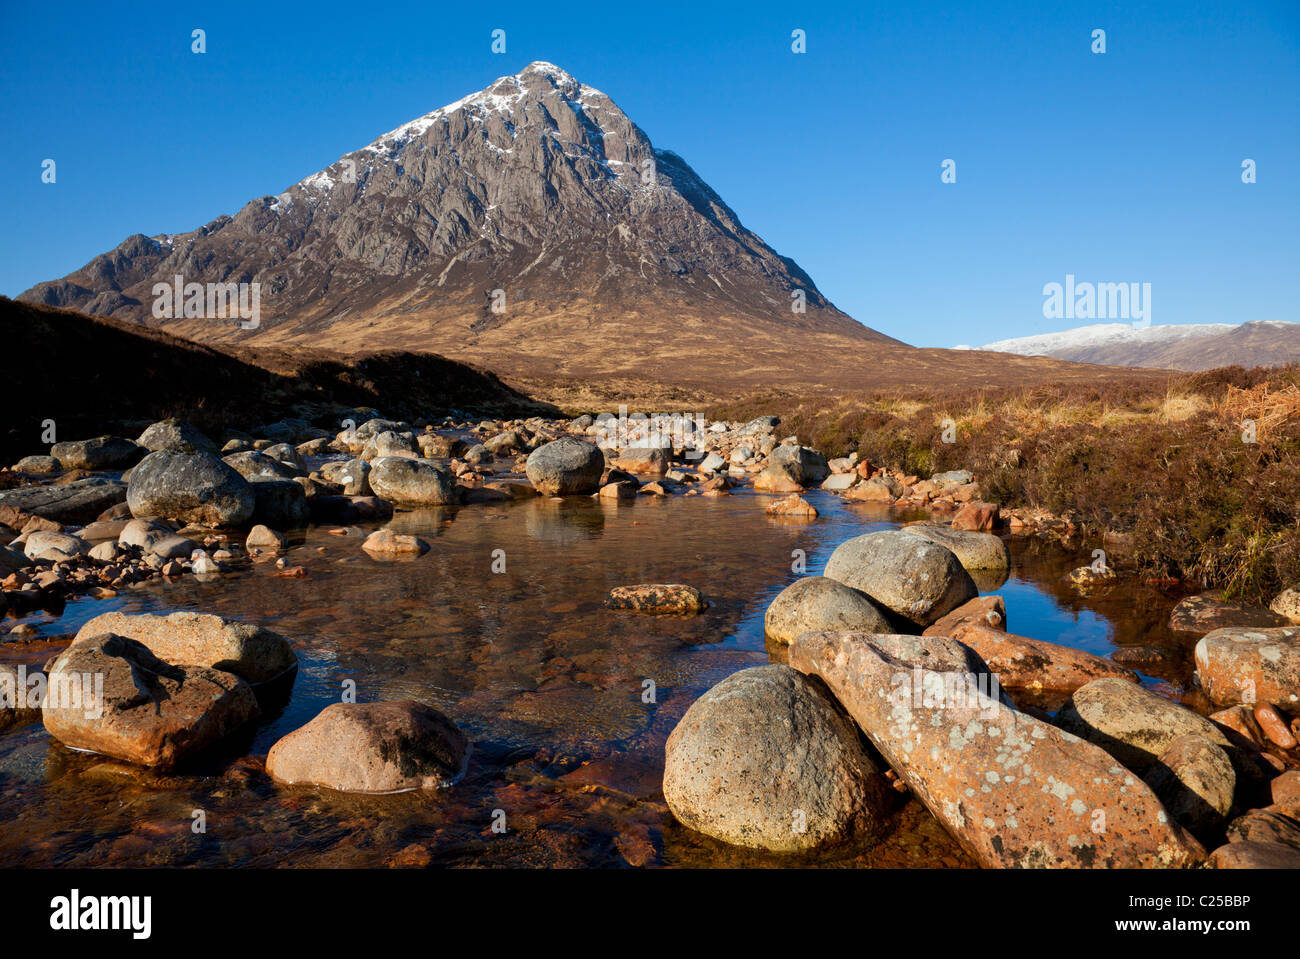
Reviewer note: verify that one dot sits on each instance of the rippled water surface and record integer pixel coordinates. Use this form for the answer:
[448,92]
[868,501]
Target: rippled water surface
[546,683]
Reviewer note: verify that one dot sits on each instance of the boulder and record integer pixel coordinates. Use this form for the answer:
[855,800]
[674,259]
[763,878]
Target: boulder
[1035,665]
[251,465]
[250,652]
[174,435]
[765,759]
[878,489]
[1131,723]
[777,479]
[818,603]
[263,537]
[1209,611]
[386,543]
[148,711]
[980,517]
[974,550]
[55,547]
[1255,855]
[1195,782]
[805,466]
[839,482]
[1243,665]
[412,482]
[190,486]
[371,748]
[905,573]
[37,464]
[101,453]
[990,611]
[1013,790]
[652,460]
[794,506]
[1287,604]
[672,598]
[952,478]
[565,466]
[73,504]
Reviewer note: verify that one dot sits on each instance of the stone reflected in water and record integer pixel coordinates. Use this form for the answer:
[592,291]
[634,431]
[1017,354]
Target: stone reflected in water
[567,704]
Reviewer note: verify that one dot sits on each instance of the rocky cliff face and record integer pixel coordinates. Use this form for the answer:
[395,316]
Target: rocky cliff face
[532,219]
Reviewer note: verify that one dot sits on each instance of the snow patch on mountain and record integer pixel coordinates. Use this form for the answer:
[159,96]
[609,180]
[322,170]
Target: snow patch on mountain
[1104,334]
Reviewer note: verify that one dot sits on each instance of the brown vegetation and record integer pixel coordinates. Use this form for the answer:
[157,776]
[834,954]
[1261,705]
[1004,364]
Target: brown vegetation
[1169,462]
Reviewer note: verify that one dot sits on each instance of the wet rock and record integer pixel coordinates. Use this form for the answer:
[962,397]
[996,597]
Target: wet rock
[287,455]
[1208,611]
[190,486]
[1195,781]
[174,435]
[1035,665]
[171,546]
[671,598]
[622,489]
[909,575]
[819,603]
[765,759]
[1131,723]
[149,712]
[1244,665]
[371,748]
[412,483]
[793,505]
[73,504]
[55,547]
[566,466]
[101,453]
[1013,790]
[250,652]
[974,550]
[386,542]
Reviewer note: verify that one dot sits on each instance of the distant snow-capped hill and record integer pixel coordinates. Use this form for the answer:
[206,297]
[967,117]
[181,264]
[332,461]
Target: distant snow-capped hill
[1201,346]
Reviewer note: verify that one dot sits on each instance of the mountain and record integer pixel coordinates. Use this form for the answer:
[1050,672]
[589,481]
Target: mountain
[1174,347]
[532,228]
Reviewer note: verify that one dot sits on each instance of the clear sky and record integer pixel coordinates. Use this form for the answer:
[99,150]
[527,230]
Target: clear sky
[1115,167]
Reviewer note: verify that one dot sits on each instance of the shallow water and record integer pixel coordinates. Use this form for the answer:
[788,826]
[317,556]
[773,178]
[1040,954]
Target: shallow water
[546,683]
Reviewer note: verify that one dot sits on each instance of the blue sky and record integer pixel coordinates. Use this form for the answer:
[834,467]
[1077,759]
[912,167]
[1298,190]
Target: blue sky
[1115,167]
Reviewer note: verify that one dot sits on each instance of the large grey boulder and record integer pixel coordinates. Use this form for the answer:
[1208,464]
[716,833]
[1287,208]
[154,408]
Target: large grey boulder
[917,579]
[817,602]
[565,466]
[403,481]
[766,759]
[975,551]
[251,465]
[279,503]
[191,486]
